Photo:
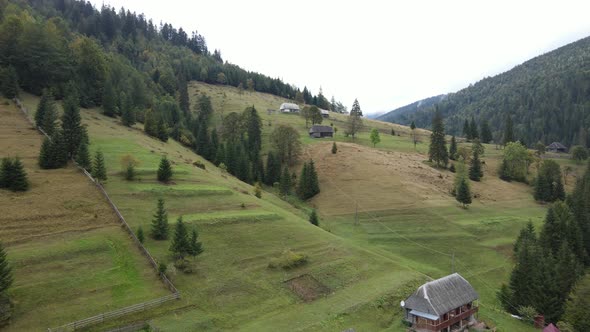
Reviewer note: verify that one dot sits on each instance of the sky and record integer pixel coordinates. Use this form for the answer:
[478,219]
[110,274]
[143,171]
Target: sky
[385,53]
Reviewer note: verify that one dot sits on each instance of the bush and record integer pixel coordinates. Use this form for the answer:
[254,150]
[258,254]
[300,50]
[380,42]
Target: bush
[223,167]
[183,265]
[288,260]
[257,190]
[579,153]
[162,268]
[201,165]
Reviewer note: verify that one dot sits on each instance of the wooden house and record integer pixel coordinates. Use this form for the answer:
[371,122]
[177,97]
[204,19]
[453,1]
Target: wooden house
[556,147]
[289,108]
[317,131]
[325,113]
[445,304]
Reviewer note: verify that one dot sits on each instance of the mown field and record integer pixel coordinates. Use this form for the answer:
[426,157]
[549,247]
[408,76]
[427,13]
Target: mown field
[408,227]
[71,258]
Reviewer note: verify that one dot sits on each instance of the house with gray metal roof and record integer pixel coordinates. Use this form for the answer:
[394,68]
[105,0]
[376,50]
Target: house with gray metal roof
[556,147]
[317,131]
[445,304]
[289,108]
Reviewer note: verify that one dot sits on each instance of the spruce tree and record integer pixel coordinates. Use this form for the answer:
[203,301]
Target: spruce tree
[273,169]
[463,193]
[83,155]
[160,222]
[508,131]
[6,173]
[99,171]
[161,130]
[303,188]
[46,115]
[453,149]
[180,246]
[486,133]
[196,248]
[285,182]
[475,170]
[335,148]
[314,183]
[19,177]
[58,151]
[313,218]
[45,155]
[109,99]
[437,151]
[473,129]
[466,130]
[164,170]
[9,82]
[71,124]
[140,235]
[576,310]
[128,116]
[6,278]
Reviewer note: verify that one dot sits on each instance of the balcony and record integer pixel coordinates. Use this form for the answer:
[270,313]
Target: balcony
[449,322]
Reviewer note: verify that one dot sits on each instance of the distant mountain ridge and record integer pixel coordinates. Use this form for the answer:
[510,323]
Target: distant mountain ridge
[400,115]
[548,98]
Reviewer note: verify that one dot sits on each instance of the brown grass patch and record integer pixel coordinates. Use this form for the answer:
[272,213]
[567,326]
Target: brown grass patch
[307,287]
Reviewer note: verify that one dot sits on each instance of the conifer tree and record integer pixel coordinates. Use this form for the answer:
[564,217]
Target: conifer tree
[473,129]
[9,82]
[83,155]
[475,171]
[58,154]
[508,131]
[164,170]
[161,130]
[220,156]
[109,99]
[466,130]
[313,218]
[196,248]
[180,246]
[6,277]
[313,179]
[576,310]
[140,235]
[71,124]
[128,116]
[486,132]
[6,173]
[463,193]
[335,148]
[273,169]
[214,146]
[45,154]
[285,182]
[303,188]
[19,181]
[46,114]
[99,171]
[437,151]
[183,98]
[160,222]
[453,149]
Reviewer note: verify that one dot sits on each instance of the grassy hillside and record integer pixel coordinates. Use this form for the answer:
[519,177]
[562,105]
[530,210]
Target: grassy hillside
[71,258]
[407,230]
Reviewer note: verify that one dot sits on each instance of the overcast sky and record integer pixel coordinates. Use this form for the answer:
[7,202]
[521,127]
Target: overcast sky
[385,53]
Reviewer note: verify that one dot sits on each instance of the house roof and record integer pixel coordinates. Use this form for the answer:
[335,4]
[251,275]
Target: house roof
[323,111]
[550,328]
[321,129]
[556,146]
[289,106]
[442,295]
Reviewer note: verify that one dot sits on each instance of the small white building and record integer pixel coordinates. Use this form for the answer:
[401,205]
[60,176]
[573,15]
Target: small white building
[289,108]
[325,113]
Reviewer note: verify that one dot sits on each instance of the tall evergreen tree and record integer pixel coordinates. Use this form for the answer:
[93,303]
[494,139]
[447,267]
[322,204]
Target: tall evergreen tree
[313,218]
[161,130]
[253,125]
[58,155]
[285,182]
[109,99]
[466,130]
[486,132]
[99,171]
[576,311]
[6,171]
[128,118]
[46,115]
[45,154]
[83,155]
[19,181]
[273,169]
[160,222]
[453,149]
[71,124]
[473,129]
[9,82]
[437,151]
[6,277]
[164,170]
[196,248]
[508,131]
[475,169]
[355,121]
[180,246]
[183,99]
[463,193]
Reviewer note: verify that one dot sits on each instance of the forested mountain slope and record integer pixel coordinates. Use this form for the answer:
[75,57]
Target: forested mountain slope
[402,114]
[548,98]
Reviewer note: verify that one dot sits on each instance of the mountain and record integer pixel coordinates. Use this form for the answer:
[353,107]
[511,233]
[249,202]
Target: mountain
[401,115]
[548,98]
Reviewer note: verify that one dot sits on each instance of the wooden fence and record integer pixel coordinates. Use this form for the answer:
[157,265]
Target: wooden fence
[131,309]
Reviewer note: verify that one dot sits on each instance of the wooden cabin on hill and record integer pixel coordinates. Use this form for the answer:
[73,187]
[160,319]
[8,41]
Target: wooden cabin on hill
[317,131]
[556,147]
[289,108]
[442,305]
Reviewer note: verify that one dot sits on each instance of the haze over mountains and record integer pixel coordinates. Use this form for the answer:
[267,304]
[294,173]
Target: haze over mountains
[548,98]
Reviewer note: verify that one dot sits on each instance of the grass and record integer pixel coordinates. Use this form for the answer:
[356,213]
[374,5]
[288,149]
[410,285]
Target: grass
[408,227]
[71,258]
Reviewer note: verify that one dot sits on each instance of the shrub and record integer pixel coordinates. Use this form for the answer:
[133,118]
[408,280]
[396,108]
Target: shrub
[288,260]
[183,265]
[201,165]
[257,190]
[162,268]
[223,167]
[579,153]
